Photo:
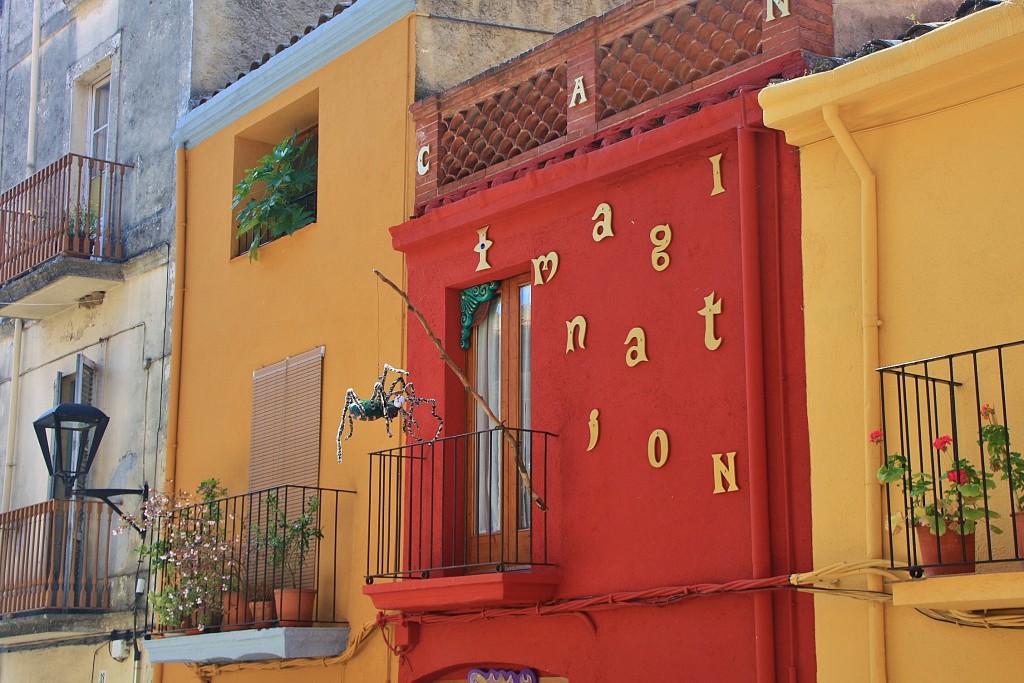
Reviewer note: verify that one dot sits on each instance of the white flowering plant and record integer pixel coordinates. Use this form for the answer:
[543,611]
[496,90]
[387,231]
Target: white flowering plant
[192,551]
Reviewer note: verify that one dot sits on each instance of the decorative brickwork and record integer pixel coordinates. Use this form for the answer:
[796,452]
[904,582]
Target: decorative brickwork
[674,50]
[643,57]
[504,125]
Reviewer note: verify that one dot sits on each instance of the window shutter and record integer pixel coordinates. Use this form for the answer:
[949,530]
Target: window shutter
[285,437]
[85,380]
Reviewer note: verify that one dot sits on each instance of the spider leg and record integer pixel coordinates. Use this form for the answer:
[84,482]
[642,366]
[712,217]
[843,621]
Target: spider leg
[379,396]
[410,420]
[350,397]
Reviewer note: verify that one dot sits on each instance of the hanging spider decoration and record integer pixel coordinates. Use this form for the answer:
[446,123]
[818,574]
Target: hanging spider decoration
[398,400]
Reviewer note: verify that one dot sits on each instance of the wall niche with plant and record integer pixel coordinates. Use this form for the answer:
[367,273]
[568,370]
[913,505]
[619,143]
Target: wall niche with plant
[277,196]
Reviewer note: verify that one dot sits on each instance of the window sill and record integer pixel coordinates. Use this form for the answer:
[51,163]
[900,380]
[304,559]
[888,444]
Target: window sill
[499,589]
[962,592]
[248,646]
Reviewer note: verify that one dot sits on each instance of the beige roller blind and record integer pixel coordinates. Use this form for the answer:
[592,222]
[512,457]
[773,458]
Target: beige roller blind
[285,442]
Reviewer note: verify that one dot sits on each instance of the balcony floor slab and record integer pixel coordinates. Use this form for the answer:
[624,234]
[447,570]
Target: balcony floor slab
[57,284]
[499,589]
[248,645]
[1002,590]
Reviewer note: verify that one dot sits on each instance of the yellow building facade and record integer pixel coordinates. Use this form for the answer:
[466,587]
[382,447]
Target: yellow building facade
[911,205]
[311,291]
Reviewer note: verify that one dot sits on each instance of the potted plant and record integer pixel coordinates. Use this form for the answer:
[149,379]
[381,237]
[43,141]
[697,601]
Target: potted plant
[196,561]
[1009,464]
[288,543]
[943,509]
[268,197]
[261,605]
[235,612]
[82,224]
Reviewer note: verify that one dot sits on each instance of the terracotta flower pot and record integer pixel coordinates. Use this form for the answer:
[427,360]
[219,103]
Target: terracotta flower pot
[1018,524]
[957,551]
[236,614]
[295,606]
[263,613]
[192,628]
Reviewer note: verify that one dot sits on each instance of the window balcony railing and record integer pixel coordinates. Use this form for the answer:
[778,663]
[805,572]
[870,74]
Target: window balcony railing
[955,424]
[457,505]
[71,208]
[231,563]
[55,558]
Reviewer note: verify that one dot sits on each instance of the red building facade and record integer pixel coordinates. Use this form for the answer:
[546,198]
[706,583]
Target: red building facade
[622,285]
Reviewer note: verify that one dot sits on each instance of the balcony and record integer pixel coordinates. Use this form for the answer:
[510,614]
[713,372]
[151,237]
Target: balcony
[60,235]
[453,519]
[953,430]
[55,558]
[222,574]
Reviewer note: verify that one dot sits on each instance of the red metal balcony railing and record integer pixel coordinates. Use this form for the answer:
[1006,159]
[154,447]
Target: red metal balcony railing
[72,208]
[55,557]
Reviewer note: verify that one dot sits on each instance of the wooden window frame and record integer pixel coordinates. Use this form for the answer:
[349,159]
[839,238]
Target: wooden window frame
[485,549]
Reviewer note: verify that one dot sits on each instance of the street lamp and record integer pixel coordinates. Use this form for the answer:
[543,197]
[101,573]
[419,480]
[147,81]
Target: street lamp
[77,429]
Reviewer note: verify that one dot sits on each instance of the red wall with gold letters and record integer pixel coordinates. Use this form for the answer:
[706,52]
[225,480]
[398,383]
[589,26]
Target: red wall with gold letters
[618,526]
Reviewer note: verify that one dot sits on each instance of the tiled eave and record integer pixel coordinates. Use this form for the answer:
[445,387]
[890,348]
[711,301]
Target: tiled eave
[956,63]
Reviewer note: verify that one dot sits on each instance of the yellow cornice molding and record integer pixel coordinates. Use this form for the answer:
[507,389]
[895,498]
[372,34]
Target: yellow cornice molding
[967,59]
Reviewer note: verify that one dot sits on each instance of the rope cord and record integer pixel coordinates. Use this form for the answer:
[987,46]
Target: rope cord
[655,597]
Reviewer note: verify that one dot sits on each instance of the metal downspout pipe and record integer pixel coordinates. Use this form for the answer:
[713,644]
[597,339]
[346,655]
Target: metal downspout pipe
[174,390]
[30,168]
[33,86]
[12,416]
[871,400]
[753,358]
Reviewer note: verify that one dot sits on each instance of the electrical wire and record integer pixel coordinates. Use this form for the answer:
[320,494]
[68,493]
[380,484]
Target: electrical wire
[92,674]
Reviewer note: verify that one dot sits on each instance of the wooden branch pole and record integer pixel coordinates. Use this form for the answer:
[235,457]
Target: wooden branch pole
[524,474]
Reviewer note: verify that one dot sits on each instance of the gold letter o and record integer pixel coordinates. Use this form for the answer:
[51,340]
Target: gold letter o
[658,437]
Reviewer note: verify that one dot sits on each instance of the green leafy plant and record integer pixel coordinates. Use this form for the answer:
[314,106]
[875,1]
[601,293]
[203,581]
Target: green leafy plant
[289,541]
[953,502]
[267,198]
[1009,464]
[82,221]
[196,559]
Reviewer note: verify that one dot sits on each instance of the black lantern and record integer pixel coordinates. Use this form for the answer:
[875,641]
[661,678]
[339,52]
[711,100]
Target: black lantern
[77,429]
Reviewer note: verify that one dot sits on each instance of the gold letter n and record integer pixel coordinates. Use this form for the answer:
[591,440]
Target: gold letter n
[726,472]
[770,6]
[578,325]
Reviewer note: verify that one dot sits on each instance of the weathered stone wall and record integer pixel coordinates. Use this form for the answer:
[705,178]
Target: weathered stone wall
[449,52]
[229,35]
[858,21]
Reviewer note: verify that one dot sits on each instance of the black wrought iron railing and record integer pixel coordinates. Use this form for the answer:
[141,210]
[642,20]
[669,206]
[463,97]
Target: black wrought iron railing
[458,504]
[955,473]
[239,562]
